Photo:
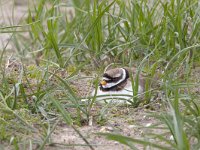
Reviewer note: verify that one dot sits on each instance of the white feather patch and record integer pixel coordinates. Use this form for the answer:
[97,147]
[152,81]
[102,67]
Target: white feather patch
[118,97]
[106,79]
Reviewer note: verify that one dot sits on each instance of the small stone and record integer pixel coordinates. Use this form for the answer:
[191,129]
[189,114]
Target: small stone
[116,143]
[90,121]
[148,124]
[131,126]
[106,129]
[171,137]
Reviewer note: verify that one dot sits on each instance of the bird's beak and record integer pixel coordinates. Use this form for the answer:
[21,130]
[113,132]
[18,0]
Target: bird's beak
[103,82]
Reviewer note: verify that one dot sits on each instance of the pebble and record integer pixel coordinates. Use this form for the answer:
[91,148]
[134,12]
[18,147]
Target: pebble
[106,129]
[148,124]
[132,126]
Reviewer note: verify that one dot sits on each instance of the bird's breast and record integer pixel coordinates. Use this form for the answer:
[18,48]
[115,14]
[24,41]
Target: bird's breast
[120,96]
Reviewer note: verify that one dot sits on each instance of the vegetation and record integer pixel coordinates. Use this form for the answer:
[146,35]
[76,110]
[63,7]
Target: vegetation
[59,39]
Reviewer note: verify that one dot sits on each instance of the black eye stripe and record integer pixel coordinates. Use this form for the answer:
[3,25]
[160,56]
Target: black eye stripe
[108,81]
[117,78]
[107,76]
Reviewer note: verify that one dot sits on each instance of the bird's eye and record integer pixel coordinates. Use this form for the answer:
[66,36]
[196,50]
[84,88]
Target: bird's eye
[108,81]
[115,79]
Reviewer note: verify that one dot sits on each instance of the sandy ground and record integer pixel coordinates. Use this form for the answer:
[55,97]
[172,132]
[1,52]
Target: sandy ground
[127,121]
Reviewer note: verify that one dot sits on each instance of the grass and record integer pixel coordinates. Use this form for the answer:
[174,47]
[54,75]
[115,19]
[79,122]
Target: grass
[53,46]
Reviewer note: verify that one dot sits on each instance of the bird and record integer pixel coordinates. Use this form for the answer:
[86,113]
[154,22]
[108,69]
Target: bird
[116,85]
